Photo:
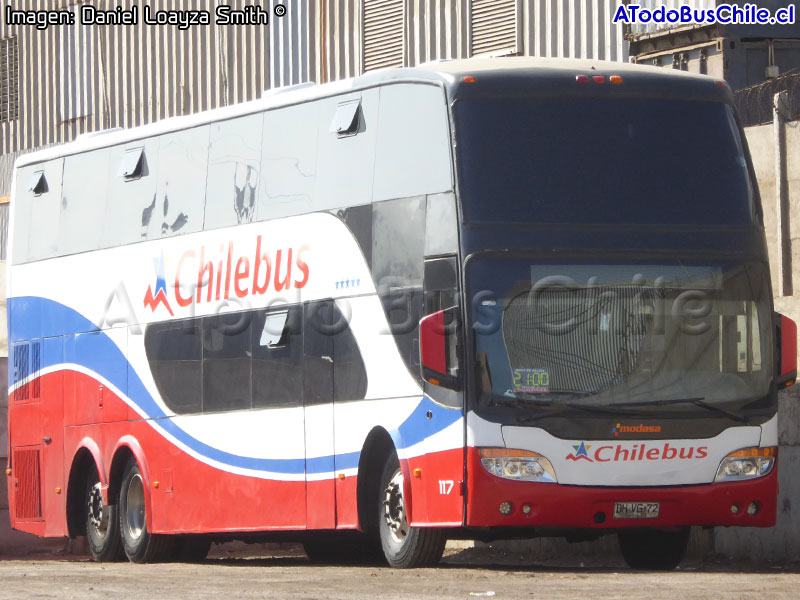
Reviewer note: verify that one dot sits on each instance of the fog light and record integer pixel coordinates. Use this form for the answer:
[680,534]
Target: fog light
[752,509]
[505,508]
[734,509]
[526,509]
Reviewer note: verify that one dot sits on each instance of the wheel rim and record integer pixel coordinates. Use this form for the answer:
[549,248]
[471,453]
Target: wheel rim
[394,510]
[97,512]
[134,508]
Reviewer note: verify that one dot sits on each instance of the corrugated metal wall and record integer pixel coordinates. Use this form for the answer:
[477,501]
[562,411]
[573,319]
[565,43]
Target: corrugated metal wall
[440,29]
[436,29]
[640,28]
[89,77]
[82,78]
[383,34]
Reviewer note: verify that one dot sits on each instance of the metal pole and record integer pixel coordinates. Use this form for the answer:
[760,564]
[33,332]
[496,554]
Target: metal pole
[779,109]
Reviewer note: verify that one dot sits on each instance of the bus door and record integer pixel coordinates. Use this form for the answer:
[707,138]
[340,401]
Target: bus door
[443,500]
[318,357]
[37,438]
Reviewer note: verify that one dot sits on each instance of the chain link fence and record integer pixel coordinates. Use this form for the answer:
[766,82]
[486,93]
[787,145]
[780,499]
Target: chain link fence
[754,103]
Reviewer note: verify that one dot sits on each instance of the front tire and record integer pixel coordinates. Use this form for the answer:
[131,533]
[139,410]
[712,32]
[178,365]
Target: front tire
[404,546]
[654,550]
[102,525]
[139,544]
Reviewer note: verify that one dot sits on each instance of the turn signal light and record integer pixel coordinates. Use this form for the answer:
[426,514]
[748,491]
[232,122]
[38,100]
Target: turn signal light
[615,79]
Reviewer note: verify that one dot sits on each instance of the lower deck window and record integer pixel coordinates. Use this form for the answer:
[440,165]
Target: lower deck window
[287,356]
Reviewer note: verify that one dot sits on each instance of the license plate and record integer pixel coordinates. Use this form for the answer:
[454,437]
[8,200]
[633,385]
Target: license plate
[636,510]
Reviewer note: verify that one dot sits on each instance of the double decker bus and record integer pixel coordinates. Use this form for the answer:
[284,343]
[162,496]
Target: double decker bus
[476,299]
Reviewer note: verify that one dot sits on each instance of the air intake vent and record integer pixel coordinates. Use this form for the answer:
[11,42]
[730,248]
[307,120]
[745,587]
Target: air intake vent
[21,371]
[27,362]
[28,498]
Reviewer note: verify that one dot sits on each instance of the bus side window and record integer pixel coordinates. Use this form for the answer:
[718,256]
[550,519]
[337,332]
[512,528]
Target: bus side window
[441,293]
[277,352]
[441,284]
[175,352]
[226,361]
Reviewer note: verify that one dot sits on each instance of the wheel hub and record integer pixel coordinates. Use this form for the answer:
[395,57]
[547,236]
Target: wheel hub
[135,508]
[394,511]
[98,515]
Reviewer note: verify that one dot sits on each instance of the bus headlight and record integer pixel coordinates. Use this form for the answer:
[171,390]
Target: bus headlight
[747,463]
[519,465]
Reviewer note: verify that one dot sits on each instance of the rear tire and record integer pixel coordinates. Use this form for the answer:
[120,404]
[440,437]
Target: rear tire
[404,546]
[654,550]
[102,525]
[139,544]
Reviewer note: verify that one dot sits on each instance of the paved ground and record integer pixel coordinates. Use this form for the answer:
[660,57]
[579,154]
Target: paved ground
[467,575]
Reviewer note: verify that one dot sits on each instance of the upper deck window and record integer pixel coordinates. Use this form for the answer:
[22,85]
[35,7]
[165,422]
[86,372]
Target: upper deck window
[38,184]
[601,161]
[347,118]
[132,165]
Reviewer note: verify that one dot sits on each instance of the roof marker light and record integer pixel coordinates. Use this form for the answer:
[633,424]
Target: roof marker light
[721,83]
[468,79]
[615,79]
[599,78]
[581,79]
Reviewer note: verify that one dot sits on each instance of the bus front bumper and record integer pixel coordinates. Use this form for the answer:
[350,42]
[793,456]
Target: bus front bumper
[553,505]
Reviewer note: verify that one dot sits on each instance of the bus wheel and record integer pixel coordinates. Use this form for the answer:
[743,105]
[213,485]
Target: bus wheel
[102,526]
[403,545]
[140,546]
[654,550]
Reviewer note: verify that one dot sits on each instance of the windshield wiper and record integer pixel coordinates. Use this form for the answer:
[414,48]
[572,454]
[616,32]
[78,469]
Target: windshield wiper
[696,401]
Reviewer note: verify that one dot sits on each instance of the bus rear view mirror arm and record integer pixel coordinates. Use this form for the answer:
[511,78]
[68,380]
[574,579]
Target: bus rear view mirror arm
[438,348]
[786,347]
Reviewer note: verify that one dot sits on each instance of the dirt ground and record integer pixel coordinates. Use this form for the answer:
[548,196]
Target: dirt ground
[464,574]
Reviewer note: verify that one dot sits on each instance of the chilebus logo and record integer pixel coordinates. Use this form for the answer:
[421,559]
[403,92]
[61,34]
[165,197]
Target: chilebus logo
[227,274]
[640,451]
[581,453]
[160,297]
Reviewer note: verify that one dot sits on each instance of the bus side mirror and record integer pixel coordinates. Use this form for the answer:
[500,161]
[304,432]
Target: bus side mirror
[786,342]
[438,348]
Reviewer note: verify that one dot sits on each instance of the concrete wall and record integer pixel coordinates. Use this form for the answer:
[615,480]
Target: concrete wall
[783,542]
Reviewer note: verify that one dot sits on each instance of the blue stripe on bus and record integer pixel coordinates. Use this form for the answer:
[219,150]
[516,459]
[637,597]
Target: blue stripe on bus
[34,317]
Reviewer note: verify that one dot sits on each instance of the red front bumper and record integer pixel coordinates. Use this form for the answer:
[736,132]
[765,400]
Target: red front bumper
[554,505]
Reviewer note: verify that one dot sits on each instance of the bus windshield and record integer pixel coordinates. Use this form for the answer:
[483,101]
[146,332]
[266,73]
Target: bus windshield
[610,335]
[600,160]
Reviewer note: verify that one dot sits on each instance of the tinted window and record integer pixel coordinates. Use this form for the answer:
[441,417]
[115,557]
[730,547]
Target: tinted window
[320,327]
[349,374]
[227,361]
[175,353]
[601,160]
[277,342]
[257,359]
[398,244]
